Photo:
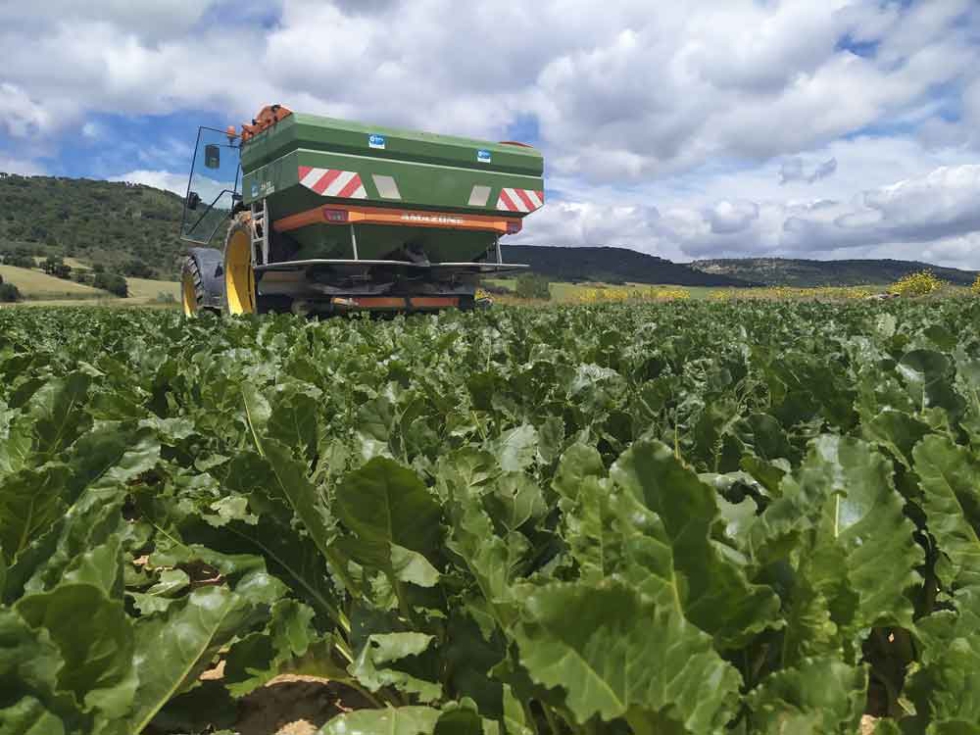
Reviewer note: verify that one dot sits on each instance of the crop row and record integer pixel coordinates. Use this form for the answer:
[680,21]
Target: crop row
[662,518]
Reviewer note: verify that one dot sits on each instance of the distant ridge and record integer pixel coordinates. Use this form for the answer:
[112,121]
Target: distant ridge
[135,226]
[611,265]
[801,273]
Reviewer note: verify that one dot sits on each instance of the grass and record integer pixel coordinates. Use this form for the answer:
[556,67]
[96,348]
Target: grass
[144,288]
[34,284]
[40,289]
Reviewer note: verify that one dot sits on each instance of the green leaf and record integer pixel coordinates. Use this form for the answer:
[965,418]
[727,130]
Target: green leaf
[950,478]
[822,696]
[577,463]
[384,505]
[515,500]
[897,432]
[172,649]
[518,448]
[258,657]
[282,477]
[493,561]
[293,557]
[29,717]
[390,721]
[863,553]
[714,593]
[944,689]
[928,375]
[293,421]
[411,566]
[171,583]
[319,661]
[515,718]
[84,546]
[257,411]
[29,661]
[613,653]
[30,501]
[95,638]
[16,440]
[379,649]
[58,410]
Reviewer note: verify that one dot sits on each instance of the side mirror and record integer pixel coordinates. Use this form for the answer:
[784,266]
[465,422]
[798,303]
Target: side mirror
[193,200]
[212,156]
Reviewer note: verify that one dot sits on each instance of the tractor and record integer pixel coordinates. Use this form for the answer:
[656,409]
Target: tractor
[319,216]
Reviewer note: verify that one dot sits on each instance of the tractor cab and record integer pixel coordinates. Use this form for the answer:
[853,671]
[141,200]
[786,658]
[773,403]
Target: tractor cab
[213,189]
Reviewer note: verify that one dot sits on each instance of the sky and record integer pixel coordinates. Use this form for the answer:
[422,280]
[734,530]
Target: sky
[701,129]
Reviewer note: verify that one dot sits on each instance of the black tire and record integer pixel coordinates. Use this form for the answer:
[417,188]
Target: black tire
[201,276]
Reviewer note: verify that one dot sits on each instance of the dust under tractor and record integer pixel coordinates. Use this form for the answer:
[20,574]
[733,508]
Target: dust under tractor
[322,216]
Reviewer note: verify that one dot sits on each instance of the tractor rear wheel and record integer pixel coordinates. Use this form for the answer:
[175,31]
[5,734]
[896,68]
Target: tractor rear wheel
[200,286]
[191,295]
[240,296]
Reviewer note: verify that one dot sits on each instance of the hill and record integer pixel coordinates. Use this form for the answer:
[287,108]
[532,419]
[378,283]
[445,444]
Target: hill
[125,227]
[610,265]
[802,273]
[133,228]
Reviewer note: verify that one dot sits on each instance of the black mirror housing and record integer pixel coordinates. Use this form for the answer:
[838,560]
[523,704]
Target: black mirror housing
[212,156]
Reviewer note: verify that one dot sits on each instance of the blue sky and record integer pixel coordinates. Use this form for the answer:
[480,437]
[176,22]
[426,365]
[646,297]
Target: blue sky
[720,128]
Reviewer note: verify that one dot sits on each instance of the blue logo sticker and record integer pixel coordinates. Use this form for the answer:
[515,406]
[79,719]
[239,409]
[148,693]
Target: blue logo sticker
[483,156]
[376,141]
[255,189]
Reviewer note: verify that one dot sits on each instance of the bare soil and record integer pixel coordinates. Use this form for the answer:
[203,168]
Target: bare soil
[295,705]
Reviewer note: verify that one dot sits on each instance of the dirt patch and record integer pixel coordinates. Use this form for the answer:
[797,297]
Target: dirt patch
[868,724]
[295,705]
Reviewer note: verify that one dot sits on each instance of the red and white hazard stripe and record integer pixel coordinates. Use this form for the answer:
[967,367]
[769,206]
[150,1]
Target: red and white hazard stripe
[520,200]
[331,182]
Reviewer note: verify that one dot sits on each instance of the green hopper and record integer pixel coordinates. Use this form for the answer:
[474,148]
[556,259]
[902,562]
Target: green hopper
[315,214]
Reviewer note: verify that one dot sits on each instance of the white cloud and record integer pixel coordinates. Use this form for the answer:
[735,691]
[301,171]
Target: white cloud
[794,169]
[933,217]
[685,129]
[11,165]
[21,116]
[177,183]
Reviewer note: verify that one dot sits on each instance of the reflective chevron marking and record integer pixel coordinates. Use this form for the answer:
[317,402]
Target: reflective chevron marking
[331,182]
[520,200]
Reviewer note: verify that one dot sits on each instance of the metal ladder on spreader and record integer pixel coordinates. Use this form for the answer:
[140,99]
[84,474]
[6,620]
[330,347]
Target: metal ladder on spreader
[260,232]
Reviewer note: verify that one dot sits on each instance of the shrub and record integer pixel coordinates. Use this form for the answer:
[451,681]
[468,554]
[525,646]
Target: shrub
[9,293]
[55,265]
[531,286]
[18,260]
[137,269]
[920,283]
[975,288]
[113,283]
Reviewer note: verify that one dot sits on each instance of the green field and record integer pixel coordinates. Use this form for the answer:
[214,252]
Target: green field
[35,284]
[479,522]
[39,288]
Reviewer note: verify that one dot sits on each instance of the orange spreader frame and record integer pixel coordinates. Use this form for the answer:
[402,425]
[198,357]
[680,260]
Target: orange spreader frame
[347,215]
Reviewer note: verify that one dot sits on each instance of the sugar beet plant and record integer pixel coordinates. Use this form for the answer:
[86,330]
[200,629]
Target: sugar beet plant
[678,518]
